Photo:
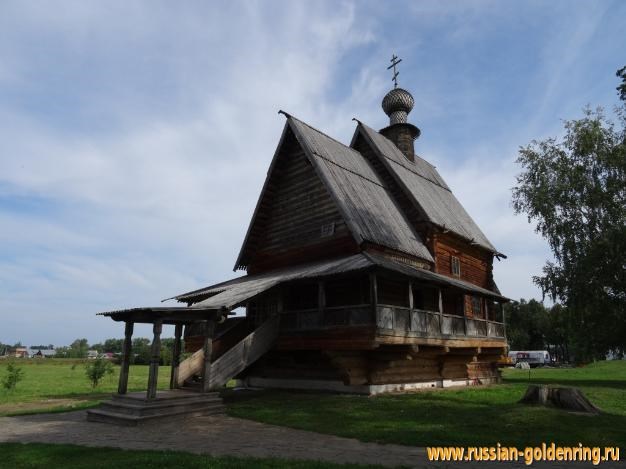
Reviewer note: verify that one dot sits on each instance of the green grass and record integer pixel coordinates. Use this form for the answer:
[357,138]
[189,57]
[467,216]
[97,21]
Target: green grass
[61,384]
[467,416]
[44,456]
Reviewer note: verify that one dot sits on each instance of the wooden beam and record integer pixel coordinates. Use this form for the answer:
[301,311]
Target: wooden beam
[209,329]
[155,357]
[410,295]
[126,356]
[178,332]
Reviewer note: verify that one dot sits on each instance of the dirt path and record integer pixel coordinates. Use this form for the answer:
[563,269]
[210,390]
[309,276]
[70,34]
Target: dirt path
[220,435]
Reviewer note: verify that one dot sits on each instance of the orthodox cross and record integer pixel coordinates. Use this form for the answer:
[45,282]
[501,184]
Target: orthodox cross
[394,61]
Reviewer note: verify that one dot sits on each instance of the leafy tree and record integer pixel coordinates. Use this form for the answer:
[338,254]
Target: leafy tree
[79,348]
[526,324]
[113,345]
[141,351]
[574,189]
[97,369]
[621,73]
[14,375]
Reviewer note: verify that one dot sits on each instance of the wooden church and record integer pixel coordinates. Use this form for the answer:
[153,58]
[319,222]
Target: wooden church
[364,274]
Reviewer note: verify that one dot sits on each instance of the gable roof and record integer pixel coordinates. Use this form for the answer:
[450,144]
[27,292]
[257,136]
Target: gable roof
[361,197]
[423,184]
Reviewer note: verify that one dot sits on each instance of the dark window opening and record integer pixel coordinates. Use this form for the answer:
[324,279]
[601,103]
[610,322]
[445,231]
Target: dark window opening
[301,296]
[477,310]
[347,291]
[393,291]
[453,303]
[425,298]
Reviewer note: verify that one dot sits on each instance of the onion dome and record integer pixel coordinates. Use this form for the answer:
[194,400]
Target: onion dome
[397,104]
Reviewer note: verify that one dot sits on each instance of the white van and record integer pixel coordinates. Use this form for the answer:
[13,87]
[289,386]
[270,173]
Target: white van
[532,357]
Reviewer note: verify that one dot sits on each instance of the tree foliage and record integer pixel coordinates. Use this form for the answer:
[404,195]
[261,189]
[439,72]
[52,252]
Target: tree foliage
[13,376]
[574,189]
[97,369]
[621,89]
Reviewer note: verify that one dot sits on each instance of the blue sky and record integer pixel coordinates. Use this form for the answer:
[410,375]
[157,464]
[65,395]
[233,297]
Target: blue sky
[135,136]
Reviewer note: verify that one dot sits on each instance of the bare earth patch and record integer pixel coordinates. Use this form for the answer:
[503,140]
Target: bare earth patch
[43,405]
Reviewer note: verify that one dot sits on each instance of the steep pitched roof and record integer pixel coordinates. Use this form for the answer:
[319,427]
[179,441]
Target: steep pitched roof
[423,184]
[359,193]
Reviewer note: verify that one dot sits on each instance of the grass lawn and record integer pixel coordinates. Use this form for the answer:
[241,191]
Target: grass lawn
[61,384]
[462,416]
[35,455]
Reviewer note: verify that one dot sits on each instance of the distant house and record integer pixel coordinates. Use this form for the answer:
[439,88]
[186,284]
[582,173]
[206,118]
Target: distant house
[41,353]
[21,352]
[92,354]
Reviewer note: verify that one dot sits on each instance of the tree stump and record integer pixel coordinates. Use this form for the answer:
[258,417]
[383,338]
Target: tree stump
[571,399]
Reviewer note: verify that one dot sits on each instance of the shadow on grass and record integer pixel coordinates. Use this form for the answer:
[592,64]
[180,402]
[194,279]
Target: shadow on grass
[589,383]
[464,418]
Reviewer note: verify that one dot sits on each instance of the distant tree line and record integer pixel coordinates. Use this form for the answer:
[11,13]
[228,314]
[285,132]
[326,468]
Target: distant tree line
[530,325]
[140,349]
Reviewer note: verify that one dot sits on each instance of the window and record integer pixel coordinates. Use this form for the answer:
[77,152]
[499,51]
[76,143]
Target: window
[455,265]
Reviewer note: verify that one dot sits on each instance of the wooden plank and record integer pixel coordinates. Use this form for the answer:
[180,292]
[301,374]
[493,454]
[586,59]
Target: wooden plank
[244,353]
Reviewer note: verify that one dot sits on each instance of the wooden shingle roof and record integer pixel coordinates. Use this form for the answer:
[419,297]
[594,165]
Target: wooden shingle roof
[423,184]
[366,204]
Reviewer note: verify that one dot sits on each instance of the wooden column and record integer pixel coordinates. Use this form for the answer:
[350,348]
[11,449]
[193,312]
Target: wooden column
[178,332]
[321,301]
[126,357]
[374,297]
[155,357]
[410,295]
[209,328]
[465,318]
[440,311]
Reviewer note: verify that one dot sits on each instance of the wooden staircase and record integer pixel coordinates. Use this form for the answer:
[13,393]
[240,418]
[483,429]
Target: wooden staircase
[188,400]
[236,359]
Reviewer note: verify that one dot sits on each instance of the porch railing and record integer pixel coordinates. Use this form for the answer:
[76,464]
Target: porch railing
[396,319]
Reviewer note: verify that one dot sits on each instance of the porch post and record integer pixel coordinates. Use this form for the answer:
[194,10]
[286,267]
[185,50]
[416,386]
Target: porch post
[178,332]
[321,301]
[410,295]
[209,328]
[126,356]
[374,297]
[465,317]
[155,357]
[440,311]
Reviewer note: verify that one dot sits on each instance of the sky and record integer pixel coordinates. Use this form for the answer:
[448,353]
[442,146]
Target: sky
[135,136]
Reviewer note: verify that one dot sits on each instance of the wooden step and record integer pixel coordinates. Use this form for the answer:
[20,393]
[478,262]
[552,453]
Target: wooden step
[116,418]
[161,408]
[134,408]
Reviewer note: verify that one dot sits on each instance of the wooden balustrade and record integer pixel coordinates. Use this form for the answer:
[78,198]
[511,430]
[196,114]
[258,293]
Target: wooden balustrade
[405,321]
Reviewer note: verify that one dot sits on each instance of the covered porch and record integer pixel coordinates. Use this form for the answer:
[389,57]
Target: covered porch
[136,407]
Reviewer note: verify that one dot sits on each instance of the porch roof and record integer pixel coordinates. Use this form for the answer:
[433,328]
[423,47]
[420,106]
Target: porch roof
[235,292]
[167,314]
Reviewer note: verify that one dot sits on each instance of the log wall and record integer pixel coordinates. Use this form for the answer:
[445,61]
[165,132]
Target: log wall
[476,264]
[297,220]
